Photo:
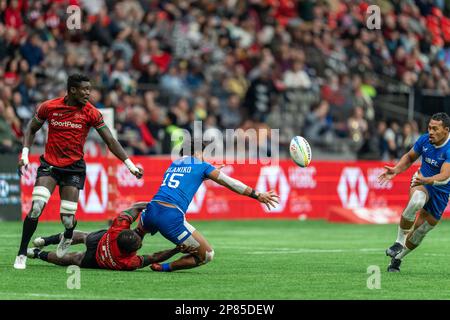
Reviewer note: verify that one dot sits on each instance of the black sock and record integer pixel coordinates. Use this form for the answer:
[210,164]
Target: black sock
[68,234]
[29,227]
[43,255]
[54,239]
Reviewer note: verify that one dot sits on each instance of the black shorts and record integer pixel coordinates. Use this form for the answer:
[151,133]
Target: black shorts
[73,175]
[92,240]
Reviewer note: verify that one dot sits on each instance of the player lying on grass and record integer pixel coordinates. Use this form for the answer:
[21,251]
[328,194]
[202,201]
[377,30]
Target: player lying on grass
[165,213]
[69,120]
[113,249]
[430,188]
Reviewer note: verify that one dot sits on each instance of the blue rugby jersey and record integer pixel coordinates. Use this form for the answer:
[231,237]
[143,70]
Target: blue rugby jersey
[433,157]
[182,180]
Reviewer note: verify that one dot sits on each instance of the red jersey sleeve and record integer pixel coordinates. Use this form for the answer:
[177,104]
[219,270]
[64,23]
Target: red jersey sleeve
[41,112]
[96,120]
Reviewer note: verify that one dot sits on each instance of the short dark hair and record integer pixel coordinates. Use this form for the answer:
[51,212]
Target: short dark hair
[190,146]
[442,116]
[128,241]
[75,80]
[172,117]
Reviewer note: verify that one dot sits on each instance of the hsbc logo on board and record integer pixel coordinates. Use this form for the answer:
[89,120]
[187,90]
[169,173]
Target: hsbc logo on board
[352,188]
[273,178]
[94,196]
[4,188]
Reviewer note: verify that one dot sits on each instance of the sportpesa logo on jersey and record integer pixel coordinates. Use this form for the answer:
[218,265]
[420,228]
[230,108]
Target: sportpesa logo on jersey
[66,124]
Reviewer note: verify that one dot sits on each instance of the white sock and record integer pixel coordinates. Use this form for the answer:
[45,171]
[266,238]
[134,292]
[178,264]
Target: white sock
[403,253]
[401,235]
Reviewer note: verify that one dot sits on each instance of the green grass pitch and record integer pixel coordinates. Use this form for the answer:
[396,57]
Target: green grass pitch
[253,260]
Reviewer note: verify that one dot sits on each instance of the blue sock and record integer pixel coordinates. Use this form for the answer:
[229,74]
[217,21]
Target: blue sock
[166,267]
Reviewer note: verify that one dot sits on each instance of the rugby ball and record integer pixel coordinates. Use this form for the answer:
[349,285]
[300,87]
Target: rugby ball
[300,151]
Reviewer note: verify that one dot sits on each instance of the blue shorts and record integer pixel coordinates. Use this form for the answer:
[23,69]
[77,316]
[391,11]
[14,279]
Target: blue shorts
[170,222]
[437,202]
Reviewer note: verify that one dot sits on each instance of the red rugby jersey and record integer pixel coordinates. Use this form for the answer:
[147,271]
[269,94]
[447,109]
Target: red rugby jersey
[108,253]
[68,127]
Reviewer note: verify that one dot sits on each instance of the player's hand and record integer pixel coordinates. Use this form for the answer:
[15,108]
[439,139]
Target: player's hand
[268,198]
[21,165]
[387,175]
[220,166]
[187,249]
[138,174]
[419,180]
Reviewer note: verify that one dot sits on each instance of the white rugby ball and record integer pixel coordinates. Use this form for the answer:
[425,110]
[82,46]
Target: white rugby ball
[300,151]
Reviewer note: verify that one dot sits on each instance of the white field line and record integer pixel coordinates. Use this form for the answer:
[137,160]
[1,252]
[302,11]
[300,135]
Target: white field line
[305,250]
[74,296]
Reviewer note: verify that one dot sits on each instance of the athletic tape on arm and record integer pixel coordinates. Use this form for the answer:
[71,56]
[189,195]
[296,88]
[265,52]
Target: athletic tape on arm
[234,184]
[441,183]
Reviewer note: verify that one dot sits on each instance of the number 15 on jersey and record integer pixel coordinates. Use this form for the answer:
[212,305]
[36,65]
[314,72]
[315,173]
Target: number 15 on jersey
[173,182]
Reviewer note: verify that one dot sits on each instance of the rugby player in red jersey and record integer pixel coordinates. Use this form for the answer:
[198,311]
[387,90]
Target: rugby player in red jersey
[113,249]
[69,121]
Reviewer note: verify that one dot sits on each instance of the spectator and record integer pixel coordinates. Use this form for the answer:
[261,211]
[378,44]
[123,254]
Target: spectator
[136,134]
[231,116]
[393,138]
[260,95]
[173,135]
[32,51]
[357,127]
[410,136]
[297,78]
[9,129]
[318,127]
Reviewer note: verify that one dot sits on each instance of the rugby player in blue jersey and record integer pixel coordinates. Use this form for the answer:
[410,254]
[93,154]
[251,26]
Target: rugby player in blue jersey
[165,213]
[430,188]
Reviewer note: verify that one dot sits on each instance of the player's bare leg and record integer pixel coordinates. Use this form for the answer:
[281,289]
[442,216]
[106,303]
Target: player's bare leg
[204,254]
[42,191]
[72,258]
[418,196]
[69,203]
[424,223]
[77,238]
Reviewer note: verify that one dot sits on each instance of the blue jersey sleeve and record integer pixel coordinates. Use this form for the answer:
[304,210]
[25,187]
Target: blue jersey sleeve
[418,146]
[208,169]
[447,156]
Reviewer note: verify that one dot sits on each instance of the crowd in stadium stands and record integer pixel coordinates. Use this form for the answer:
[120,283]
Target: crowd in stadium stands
[307,67]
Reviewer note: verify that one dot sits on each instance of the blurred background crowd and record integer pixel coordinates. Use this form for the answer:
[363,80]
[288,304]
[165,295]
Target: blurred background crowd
[307,67]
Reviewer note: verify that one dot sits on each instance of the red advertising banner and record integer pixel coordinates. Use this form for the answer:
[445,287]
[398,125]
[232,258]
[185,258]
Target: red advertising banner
[337,191]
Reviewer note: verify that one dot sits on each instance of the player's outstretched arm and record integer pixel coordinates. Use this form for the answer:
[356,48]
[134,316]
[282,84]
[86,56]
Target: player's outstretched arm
[167,254]
[268,198]
[442,178]
[159,256]
[403,164]
[30,132]
[118,151]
